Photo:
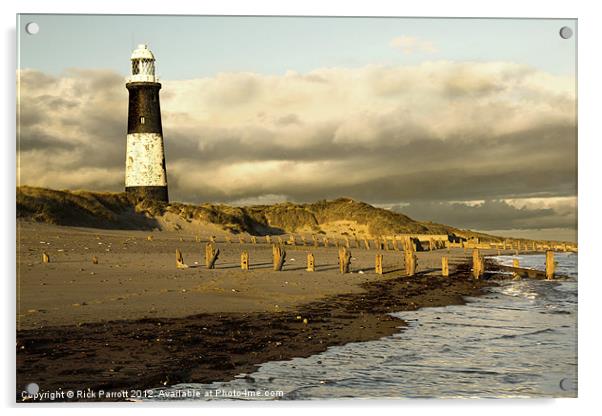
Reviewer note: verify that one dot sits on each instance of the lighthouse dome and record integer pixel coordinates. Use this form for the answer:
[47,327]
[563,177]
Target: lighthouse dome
[142,52]
[143,65]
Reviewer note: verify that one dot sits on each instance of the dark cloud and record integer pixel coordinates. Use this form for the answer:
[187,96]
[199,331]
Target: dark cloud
[489,215]
[428,134]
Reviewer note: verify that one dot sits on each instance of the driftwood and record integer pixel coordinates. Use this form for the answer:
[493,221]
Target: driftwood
[45,257]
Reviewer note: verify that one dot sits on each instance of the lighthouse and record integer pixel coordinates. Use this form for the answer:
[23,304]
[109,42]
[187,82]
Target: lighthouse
[145,174]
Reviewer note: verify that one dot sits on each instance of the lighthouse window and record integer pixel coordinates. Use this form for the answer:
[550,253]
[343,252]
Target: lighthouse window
[141,120]
[135,67]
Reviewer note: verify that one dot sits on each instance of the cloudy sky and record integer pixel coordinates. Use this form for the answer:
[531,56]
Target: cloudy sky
[470,123]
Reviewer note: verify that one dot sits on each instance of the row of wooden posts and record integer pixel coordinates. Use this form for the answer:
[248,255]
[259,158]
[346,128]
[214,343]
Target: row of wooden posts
[396,243]
[279,258]
[379,243]
[344,260]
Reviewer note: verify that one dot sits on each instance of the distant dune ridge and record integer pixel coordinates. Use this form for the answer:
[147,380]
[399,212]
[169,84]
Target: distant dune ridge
[342,216]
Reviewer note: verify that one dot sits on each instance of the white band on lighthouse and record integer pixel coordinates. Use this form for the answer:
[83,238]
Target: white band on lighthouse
[145,160]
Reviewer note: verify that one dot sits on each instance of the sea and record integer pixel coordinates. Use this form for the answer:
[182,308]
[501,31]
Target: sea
[517,341]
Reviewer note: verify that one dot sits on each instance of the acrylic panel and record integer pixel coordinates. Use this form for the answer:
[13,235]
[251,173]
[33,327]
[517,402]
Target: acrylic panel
[295,208]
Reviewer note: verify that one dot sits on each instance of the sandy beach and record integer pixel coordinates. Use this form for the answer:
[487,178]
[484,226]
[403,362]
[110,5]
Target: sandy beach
[136,321]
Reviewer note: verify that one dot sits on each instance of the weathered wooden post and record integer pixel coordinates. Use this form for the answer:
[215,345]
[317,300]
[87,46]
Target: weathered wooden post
[253,239]
[394,242]
[292,240]
[45,257]
[411,264]
[378,267]
[241,239]
[336,242]
[212,238]
[149,238]
[385,241]
[94,260]
[550,266]
[325,241]
[268,239]
[180,260]
[348,245]
[444,266]
[315,240]
[244,260]
[476,263]
[278,257]
[516,264]
[376,243]
[344,260]
[311,262]
[357,242]
[280,242]
[211,255]
[303,241]
[431,244]
[366,243]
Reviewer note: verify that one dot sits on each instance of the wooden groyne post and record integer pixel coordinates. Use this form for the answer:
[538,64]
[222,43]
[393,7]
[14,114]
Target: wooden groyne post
[278,257]
[311,262]
[409,256]
[516,263]
[550,266]
[444,266]
[180,260]
[211,255]
[344,260]
[378,266]
[478,267]
[45,257]
[411,263]
[244,260]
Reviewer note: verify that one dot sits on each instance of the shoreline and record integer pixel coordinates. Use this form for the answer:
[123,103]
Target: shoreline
[149,353]
[134,321]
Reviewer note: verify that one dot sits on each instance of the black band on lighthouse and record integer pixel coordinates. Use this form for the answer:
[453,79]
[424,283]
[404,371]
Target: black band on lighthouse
[144,115]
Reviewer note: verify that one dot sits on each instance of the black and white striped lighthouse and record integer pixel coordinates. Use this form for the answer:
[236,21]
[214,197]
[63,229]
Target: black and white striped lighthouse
[145,174]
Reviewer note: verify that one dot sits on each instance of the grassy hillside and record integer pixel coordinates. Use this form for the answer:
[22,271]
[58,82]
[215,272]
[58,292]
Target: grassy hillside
[116,210]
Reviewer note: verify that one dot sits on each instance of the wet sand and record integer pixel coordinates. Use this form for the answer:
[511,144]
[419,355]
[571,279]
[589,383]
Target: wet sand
[134,321]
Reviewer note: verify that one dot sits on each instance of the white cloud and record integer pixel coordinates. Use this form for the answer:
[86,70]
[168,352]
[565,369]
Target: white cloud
[411,44]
